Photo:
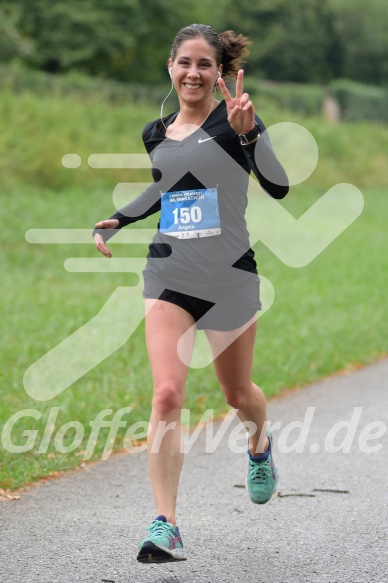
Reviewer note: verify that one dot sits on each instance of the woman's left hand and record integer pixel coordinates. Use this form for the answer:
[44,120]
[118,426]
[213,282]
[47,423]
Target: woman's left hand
[241,113]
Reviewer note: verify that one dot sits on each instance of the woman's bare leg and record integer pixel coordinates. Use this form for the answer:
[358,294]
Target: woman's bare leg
[233,367]
[164,325]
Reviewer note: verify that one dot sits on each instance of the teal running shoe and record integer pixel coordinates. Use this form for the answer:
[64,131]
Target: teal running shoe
[262,477]
[163,544]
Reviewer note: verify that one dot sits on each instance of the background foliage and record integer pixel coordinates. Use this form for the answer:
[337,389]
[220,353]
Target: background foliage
[310,41]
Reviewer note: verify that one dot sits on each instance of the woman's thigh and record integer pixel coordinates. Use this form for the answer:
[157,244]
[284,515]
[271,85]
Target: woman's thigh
[165,324]
[233,355]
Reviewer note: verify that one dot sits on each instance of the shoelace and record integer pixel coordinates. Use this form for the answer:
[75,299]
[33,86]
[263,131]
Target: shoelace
[158,527]
[259,471]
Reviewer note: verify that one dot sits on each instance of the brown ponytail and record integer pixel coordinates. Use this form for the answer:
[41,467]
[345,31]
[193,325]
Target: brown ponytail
[234,49]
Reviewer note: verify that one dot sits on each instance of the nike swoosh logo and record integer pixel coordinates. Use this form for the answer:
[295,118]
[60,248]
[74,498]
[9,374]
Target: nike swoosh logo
[200,141]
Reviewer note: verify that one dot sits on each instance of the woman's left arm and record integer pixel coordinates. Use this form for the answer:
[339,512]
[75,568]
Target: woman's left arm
[259,152]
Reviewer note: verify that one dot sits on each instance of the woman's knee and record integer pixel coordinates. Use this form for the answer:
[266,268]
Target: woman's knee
[237,397]
[168,395]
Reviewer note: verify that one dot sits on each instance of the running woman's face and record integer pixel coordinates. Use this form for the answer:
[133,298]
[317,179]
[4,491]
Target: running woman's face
[194,71]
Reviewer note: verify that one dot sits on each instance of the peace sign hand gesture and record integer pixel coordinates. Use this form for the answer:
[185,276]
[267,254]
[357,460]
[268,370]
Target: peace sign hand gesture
[241,113]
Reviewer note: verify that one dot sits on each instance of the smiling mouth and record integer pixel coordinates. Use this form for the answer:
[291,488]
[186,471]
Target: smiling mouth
[191,86]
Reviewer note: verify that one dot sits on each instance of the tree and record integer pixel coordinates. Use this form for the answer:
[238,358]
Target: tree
[13,45]
[310,41]
[292,41]
[362,29]
[126,39]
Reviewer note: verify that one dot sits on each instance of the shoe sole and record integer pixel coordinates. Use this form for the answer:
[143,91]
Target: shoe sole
[151,553]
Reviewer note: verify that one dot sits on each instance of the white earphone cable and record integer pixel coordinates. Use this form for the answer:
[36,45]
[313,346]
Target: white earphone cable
[164,101]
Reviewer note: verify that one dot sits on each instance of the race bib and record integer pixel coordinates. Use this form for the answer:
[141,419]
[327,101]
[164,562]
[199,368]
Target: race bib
[190,213]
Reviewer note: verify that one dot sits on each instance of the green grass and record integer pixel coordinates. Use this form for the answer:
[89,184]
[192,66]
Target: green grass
[326,317]
[331,314]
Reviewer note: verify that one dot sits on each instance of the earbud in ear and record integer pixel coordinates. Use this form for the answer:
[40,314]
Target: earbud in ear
[170,72]
[219,74]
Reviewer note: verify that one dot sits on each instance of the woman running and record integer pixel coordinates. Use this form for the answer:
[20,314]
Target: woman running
[201,272]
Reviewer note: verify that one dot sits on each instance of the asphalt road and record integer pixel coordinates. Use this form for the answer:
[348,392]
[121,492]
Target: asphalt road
[329,522]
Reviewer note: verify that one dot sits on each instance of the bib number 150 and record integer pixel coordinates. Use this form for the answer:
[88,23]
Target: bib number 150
[186,214]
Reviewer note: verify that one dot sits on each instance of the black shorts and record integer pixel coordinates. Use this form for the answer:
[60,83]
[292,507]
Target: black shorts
[233,308]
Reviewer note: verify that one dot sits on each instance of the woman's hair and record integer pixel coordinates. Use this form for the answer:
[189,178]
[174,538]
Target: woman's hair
[229,49]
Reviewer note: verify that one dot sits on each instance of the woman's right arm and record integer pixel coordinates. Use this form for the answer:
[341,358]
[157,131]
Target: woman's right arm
[146,204]
[98,237]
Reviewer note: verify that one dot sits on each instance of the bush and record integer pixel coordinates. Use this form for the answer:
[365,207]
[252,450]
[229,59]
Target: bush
[304,99]
[356,101]
[360,102]
[19,79]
